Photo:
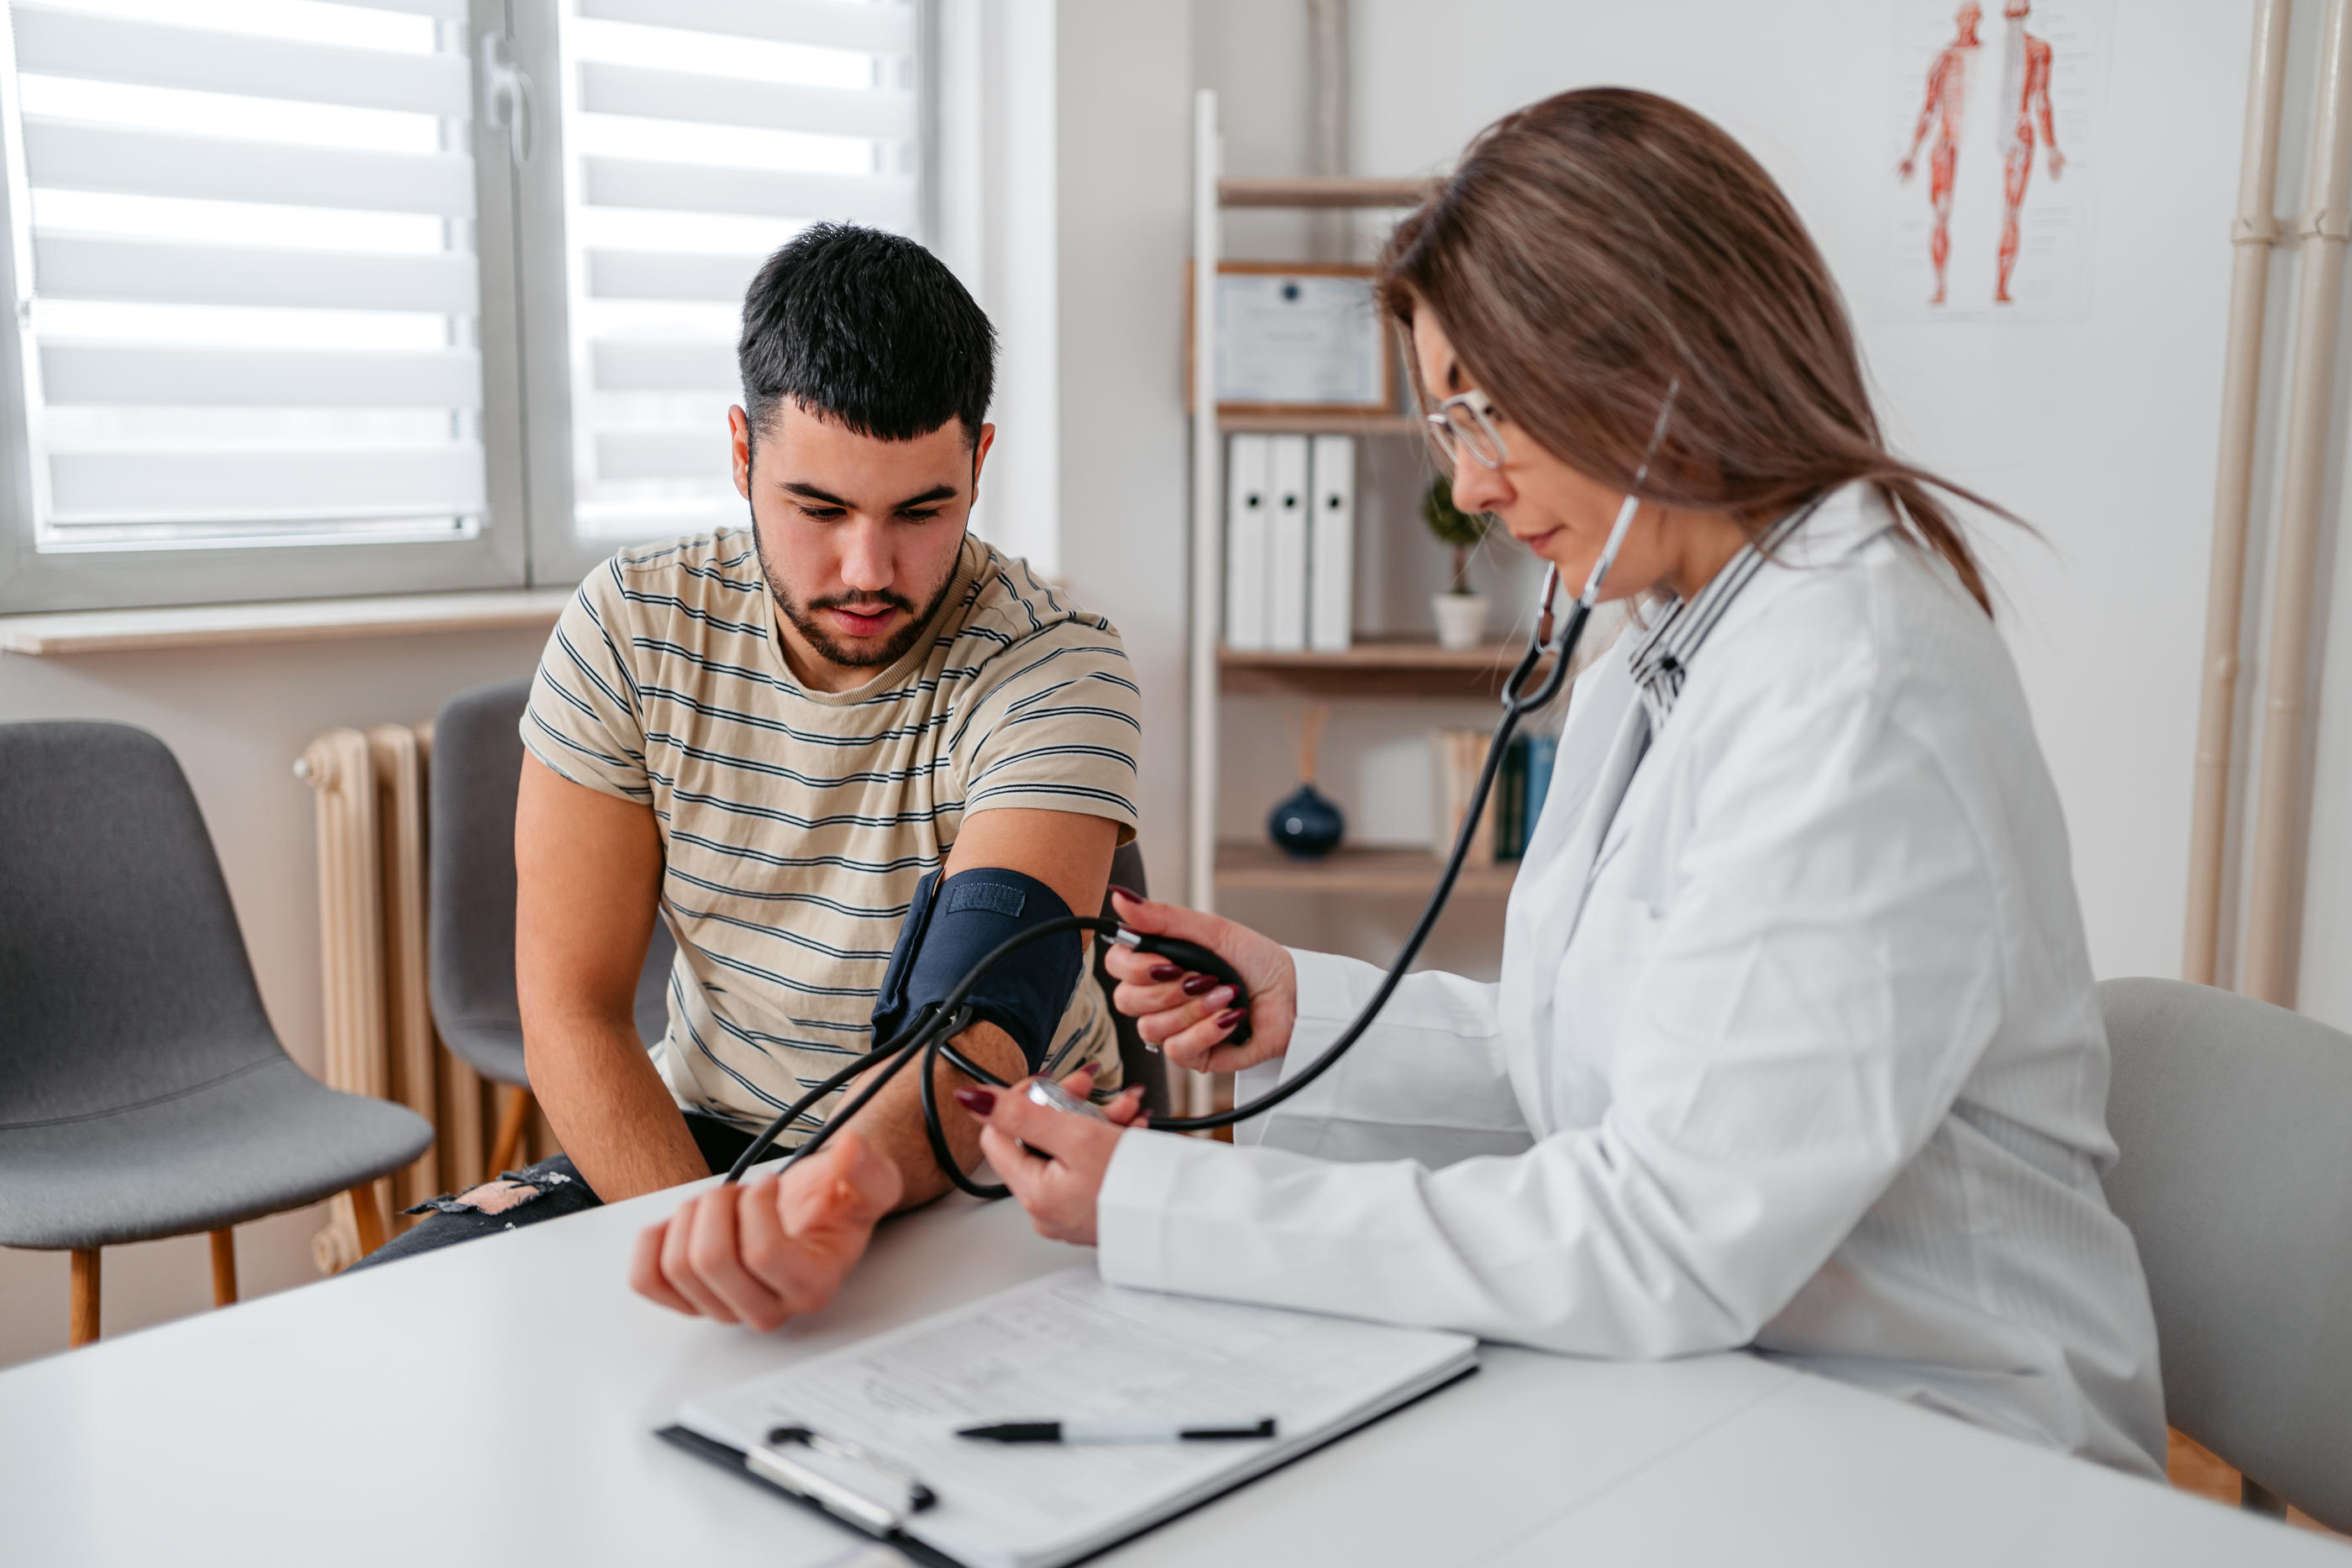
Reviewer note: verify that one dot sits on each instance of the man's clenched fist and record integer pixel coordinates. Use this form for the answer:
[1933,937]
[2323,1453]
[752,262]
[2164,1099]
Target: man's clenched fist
[769,1249]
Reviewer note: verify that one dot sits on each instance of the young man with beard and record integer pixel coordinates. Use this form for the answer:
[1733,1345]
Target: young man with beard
[770,735]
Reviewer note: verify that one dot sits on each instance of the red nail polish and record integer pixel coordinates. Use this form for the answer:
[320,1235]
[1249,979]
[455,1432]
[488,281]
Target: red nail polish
[1224,1020]
[1163,973]
[979,1102]
[1200,983]
[1127,893]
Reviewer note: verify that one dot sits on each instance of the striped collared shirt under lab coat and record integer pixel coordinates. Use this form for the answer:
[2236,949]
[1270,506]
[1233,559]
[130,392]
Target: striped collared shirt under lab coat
[1795,1046]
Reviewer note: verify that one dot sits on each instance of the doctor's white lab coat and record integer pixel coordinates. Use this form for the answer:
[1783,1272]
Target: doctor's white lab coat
[1795,1047]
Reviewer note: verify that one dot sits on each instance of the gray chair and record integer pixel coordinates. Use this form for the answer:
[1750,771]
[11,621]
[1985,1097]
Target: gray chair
[476,757]
[2235,1122]
[142,1091]
[470,901]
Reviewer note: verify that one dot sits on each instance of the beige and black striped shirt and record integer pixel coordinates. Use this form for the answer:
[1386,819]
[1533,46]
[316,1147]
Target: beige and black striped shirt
[796,823]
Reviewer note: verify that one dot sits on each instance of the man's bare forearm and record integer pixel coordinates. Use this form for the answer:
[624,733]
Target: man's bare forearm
[609,1106]
[894,1120]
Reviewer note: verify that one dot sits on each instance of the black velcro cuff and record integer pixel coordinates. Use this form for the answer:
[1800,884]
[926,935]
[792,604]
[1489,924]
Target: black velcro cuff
[951,926]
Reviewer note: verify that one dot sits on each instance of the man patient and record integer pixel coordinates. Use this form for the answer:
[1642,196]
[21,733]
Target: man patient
[772,738]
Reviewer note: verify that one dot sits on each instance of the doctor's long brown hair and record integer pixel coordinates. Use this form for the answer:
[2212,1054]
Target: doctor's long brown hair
[1596,246]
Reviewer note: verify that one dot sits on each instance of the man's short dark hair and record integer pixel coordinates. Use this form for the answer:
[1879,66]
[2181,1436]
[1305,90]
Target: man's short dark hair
[866,328]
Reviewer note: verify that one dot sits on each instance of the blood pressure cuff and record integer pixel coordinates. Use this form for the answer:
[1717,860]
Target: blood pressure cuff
[953,925]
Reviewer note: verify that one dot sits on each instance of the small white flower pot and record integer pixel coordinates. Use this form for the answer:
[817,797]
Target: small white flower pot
[1461,618]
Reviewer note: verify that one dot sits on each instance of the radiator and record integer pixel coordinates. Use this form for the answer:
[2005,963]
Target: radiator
[379,1040]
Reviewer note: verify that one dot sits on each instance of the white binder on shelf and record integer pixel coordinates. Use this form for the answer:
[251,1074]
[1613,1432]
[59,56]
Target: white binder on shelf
[1247,542]
[1285,628]
[1331,546]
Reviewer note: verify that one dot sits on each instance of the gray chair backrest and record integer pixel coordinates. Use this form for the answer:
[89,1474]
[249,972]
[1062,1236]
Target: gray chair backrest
[470,945]
[123,976]
[2235,1122]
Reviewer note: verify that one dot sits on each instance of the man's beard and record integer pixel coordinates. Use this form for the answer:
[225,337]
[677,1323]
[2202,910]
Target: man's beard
[803,617]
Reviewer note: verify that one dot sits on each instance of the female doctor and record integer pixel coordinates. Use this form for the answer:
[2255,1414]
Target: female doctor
[1795,1046]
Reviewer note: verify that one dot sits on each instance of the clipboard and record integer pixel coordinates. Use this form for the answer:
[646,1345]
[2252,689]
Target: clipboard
[865,1432]
[732,1460]
[870,1515]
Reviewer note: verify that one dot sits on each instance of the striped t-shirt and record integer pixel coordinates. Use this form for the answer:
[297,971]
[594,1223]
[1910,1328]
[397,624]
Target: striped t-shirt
[796,823]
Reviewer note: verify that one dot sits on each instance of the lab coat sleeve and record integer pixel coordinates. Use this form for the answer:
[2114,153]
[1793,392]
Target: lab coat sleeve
[1802,1016]
[1426,1081]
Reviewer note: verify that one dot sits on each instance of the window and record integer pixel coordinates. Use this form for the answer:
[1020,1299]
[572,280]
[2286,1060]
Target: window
[250,332]
[699,135]
[304,310]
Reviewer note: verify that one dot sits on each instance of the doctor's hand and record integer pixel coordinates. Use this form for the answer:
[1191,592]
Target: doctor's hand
[764,1251]
[1053,1161]
[1189,1016]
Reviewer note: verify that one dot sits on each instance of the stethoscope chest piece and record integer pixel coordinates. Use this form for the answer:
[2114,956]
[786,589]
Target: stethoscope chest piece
[1054,1097]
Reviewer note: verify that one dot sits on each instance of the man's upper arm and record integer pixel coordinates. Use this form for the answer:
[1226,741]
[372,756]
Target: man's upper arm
[588,869]
[588,854]
[1068,853]
[583,720]
[1054,724]
[1046,749]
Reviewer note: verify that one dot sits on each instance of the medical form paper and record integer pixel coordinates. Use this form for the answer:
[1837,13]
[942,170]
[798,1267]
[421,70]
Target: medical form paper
[1069,1347]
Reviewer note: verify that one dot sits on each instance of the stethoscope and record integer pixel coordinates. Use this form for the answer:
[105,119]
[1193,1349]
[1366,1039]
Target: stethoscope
[930,1035]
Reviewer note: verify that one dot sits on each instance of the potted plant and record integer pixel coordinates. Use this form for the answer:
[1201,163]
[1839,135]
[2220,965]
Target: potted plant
[1461,614]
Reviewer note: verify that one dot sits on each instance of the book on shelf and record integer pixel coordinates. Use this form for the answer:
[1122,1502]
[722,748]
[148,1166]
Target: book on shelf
[1542,751]
[1511,790]
[1514,804]
[1455,758]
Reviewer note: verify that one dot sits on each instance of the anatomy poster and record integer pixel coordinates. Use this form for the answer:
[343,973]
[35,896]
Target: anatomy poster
[1995,139]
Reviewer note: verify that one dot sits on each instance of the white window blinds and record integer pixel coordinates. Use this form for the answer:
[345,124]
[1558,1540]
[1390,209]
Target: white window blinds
[249,231]
[699,135]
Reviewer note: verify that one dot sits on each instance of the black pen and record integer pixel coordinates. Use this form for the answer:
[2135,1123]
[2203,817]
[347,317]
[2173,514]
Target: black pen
[1113,1432]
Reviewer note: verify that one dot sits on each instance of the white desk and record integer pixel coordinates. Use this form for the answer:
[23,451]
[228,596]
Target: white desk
[495,1403]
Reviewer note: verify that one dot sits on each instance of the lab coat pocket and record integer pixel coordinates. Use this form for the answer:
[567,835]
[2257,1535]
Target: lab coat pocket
[1616,923]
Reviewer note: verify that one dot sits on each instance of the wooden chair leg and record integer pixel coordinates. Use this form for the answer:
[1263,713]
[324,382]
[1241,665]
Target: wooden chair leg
[368,1217]
[225,1266]
[84,1325]
[512,1116]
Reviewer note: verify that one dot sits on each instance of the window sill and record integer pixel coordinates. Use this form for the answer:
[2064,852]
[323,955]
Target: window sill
[298,621]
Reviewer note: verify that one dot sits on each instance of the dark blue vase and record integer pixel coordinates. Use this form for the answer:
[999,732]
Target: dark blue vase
[1305,826]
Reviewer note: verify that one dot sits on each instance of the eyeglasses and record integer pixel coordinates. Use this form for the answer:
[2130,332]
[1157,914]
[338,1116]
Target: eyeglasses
[1466,423]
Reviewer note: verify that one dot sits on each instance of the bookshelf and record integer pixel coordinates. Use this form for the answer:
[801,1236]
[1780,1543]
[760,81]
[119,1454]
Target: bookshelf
[1374,669]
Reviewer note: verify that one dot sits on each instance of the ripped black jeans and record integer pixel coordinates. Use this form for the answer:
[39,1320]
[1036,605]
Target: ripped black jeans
[548,1190]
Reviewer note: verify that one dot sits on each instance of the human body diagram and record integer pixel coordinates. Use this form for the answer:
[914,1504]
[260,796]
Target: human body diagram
[2023,107]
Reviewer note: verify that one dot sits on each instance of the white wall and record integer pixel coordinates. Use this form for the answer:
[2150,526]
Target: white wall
[1124,106]
[236,718]
[998,212]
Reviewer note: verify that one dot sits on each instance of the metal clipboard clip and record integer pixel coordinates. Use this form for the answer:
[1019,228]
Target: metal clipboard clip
[778,1460]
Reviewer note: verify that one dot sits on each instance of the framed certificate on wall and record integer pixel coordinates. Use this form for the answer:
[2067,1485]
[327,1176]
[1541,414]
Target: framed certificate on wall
[1298,338]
